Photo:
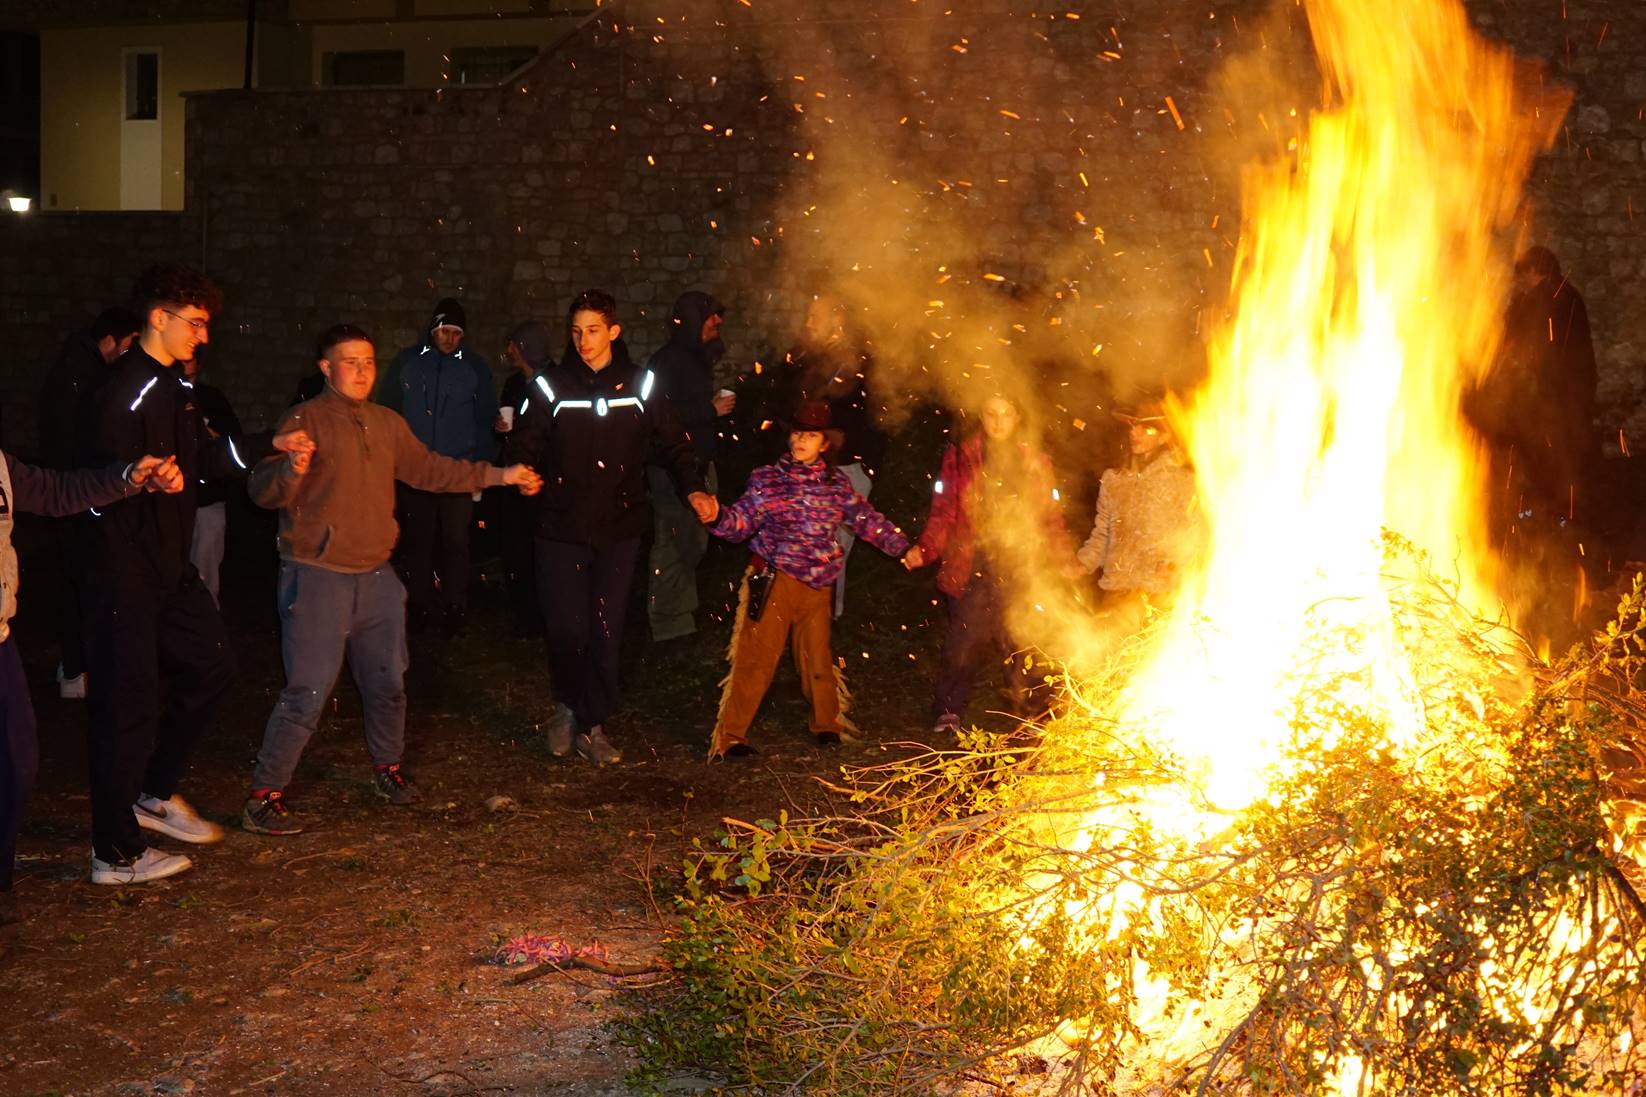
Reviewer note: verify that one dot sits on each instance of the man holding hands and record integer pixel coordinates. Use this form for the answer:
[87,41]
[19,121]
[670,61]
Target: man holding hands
[337,594]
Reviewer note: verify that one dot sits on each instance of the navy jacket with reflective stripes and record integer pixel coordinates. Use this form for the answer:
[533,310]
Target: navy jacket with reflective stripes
[590,435]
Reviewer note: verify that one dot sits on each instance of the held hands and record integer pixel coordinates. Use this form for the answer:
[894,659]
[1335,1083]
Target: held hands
[523,477]
[914,558]
[706,506]
[156,474]
[294,442]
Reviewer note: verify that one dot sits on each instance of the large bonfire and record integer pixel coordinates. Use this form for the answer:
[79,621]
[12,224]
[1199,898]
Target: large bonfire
[1325,826]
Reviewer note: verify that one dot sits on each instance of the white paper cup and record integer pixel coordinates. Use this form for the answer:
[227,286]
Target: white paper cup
[508,418]
[725,392]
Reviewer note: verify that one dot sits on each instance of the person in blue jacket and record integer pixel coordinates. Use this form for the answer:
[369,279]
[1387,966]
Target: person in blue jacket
[446,394]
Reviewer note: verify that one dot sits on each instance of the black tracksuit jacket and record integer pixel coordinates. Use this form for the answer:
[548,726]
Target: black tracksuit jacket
[148,408]
[590,435]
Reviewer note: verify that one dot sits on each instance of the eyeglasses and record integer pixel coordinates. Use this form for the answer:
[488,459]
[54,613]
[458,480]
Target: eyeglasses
[201,327]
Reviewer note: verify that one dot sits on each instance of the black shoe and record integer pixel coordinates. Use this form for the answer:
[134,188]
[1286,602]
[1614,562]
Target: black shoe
[268,814]
[739,750]
[394,786]
[828,738]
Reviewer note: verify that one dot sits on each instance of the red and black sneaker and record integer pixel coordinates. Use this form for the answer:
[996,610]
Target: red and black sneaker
[266,813]
[393,785]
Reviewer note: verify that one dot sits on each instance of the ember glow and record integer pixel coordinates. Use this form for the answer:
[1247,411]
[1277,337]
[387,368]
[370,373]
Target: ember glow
[1366,299]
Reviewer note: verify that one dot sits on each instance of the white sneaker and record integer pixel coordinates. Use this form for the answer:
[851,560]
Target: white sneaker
[71,689]
[154,864]
[176,818]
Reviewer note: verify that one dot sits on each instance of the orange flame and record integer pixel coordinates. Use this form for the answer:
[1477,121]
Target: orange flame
[1368,292]
[1367,297]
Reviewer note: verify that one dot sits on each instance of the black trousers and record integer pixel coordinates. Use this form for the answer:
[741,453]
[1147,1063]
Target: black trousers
[977,635]
[70,547]
[19,754]
[159,668]
[434,550]
[516,520]
[585,598]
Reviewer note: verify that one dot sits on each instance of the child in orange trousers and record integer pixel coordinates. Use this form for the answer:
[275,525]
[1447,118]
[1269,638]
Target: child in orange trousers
[790,512]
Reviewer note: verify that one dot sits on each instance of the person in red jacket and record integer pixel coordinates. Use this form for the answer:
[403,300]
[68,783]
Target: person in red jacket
[994,471]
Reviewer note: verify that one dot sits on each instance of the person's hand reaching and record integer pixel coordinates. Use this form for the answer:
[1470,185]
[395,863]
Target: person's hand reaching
[706,506]
[523,477]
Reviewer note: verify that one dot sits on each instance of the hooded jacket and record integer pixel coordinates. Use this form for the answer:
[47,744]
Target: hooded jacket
[684,367]
[589,434]
[448,400]
[792,512]
[532,340]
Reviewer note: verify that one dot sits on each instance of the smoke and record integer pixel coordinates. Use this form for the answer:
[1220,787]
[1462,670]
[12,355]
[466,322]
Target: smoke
[1014,203]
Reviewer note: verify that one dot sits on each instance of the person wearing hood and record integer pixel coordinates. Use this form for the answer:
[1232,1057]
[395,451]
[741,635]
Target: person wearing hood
[83,366]
[684,368]
[445,393]
[590,427]
[527,355]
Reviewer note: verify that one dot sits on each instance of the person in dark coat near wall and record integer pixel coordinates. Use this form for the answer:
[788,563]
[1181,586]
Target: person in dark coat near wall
[527,354]
[446,394]
[1550,353]
[83,366]
[684,368]
[590,427]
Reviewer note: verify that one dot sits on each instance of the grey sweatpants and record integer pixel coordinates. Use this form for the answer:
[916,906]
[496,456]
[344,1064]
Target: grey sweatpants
[325,615]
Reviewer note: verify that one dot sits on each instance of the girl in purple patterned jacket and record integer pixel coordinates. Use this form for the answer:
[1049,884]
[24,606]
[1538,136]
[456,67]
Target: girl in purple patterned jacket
[791,510]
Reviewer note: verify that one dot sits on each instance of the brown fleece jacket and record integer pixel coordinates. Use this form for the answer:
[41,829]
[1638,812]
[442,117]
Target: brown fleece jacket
[340,515]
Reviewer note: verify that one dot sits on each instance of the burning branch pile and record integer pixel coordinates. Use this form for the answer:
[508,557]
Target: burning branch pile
[1456,919]
[1319,829]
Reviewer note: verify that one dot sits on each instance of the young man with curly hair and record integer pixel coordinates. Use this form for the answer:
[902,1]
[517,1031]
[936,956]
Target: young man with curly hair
[158,662]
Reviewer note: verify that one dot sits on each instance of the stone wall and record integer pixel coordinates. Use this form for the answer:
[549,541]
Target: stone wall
[1007,163]
[57,271]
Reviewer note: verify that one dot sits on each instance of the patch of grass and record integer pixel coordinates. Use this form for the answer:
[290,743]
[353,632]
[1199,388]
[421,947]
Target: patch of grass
[404,918]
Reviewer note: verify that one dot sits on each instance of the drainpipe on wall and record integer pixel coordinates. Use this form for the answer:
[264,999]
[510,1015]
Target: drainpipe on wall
[251,40]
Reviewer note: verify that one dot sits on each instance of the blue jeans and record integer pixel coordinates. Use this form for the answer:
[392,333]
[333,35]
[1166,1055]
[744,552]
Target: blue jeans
[325,615]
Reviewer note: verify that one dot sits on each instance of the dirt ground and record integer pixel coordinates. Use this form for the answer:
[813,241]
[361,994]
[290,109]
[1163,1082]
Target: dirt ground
[351,959]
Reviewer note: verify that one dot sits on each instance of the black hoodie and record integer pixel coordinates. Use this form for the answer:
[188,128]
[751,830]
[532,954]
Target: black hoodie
[590,434]
[685,369]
